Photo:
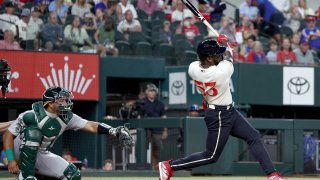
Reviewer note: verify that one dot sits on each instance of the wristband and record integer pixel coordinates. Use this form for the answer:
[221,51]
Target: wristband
[104,128]
[9,154]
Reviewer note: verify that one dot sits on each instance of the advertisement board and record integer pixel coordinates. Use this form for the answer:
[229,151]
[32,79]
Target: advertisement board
[33,72]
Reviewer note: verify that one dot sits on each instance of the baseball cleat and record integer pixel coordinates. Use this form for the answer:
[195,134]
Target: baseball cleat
[276,176]
[165,170]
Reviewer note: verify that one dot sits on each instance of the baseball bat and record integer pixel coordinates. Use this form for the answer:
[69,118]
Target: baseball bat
[195,11]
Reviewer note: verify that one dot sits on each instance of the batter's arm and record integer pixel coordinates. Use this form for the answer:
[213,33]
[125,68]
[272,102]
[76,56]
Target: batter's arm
[8,146]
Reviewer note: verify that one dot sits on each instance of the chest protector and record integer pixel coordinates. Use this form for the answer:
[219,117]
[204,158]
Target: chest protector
[51,128]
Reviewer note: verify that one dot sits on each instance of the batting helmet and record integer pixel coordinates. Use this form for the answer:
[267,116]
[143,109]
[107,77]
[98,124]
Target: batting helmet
[54,94]
[210,47]
[4,76]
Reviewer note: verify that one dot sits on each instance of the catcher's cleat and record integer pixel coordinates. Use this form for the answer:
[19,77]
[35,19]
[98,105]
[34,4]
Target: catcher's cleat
[276,176]
[165,170]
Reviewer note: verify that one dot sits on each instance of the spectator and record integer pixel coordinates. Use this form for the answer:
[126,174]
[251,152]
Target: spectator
[103,4]
[43,5]
[257,55]
[188,28]
[52,33]
[89,21]
[165,33]
[129,24]
[100,17]
[228,28]
[285,55]
[272,54]
[105,38]
[302,8]
[21,27]
[293,18]
[153,108]
[124,6]
[205,9]
[246,27]
[34,27]
[247,9]
[60,8]
[181,12]
[311,33]
[304,54]
[80,8]
[283,6]
[8,42]
[77,36]
[7,19]
[248,45]
[67,155]
[148,6]
[112,11]
[107,165]
[237,56]
[295,41]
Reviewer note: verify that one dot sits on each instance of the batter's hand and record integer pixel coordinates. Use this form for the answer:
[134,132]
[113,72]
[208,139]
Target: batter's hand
[13,167]
[222,39]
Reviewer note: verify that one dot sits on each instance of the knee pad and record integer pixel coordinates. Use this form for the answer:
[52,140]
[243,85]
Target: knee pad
[28,150]
[72,172]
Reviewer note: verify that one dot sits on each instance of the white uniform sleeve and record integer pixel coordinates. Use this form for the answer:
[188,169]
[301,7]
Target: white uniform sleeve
[76,123]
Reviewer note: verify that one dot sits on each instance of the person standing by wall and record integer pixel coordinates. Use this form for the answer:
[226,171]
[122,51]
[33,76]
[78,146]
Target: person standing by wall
[153,108]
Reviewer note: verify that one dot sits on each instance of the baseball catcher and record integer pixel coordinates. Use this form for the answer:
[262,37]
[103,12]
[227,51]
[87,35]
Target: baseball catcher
[28,140]
[4,76]
[212,74]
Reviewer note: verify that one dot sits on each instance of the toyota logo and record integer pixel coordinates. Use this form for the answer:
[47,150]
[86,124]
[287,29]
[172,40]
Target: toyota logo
[298,85]
[177,88]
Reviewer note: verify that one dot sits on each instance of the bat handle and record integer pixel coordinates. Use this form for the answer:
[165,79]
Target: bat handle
[210,27]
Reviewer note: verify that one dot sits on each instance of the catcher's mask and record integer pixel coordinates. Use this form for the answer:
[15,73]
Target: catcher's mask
[210,47]
[62,97]
[5,76]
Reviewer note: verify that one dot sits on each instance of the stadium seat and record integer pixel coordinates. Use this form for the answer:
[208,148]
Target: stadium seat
[135,37]
[286,31]
[119,36]
[123,47]
[303,24]
[91,34]
[69,19]
[142,14]
[182,45]
[156,23]
[158,15]
[202,27]
[188,57]
[174,26]
[28,5]
[197,40]
[177,37]
[165,50]
[143,49]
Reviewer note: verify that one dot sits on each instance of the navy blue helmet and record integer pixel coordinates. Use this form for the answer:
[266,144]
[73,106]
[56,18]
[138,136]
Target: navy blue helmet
[210,47]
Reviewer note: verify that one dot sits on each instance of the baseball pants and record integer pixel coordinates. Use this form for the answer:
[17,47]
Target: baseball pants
[47,163]
[221,122]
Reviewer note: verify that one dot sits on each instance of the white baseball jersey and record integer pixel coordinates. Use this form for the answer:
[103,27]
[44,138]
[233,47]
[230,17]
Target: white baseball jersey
[213,82]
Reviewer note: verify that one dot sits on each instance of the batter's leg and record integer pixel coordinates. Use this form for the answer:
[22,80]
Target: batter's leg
[244,130]
[219,125]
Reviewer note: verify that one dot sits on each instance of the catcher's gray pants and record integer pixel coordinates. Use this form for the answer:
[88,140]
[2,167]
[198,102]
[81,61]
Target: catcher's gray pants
[47,163]
[221,122]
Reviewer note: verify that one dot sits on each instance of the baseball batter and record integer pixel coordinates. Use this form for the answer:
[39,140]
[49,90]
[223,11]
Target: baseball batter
[28,140]
[212,74]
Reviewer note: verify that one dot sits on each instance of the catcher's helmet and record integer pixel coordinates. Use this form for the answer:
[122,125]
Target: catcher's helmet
[61,96]
[5,76]
[210,47]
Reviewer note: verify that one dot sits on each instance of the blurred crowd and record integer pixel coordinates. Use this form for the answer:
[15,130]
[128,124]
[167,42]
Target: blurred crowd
[263,31]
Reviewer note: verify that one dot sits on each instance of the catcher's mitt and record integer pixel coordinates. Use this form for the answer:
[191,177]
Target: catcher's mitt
[125,139]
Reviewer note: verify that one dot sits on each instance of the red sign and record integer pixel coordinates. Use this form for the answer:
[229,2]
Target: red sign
[34,72]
